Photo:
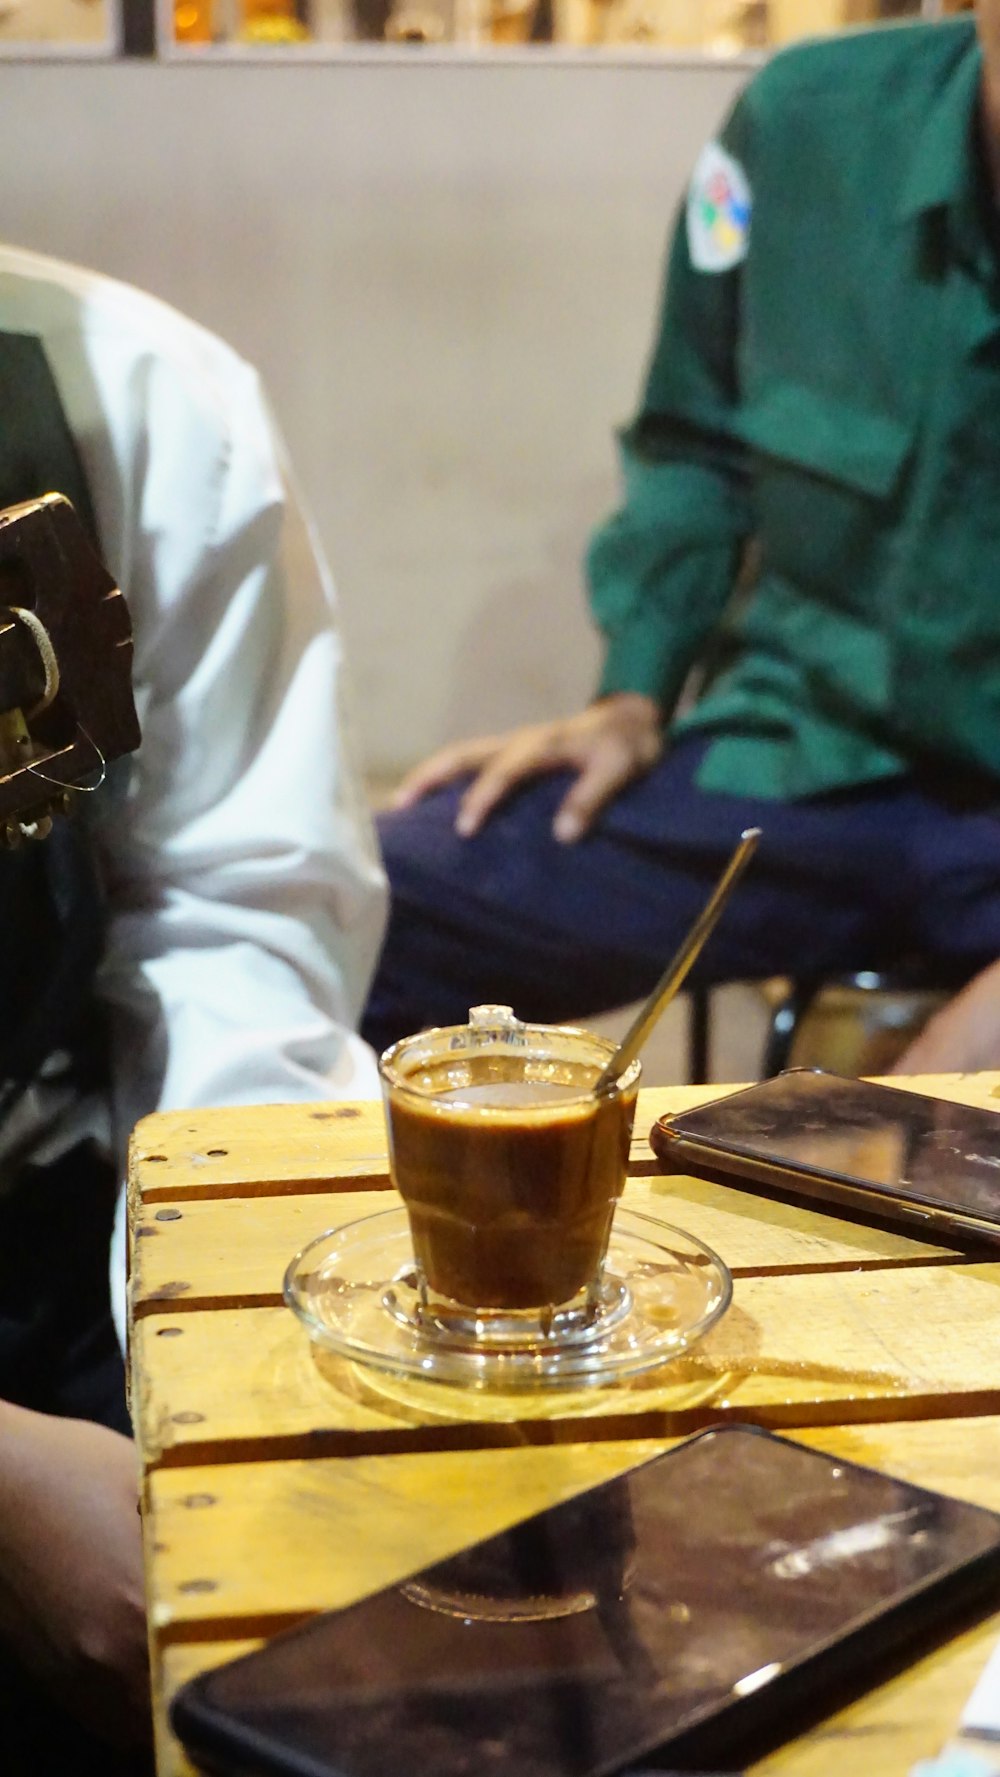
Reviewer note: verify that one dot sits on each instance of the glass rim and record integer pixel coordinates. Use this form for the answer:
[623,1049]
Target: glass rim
[395,1081]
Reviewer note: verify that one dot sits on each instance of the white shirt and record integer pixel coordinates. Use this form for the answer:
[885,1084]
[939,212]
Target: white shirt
[246,899]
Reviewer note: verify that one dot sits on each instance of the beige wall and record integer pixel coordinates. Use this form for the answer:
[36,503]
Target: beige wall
[447,274]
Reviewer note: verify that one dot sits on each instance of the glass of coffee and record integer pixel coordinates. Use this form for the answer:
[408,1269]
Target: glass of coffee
[509,1167]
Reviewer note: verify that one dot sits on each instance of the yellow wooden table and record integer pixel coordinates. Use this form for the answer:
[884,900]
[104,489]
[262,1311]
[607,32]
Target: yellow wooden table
[278,1483]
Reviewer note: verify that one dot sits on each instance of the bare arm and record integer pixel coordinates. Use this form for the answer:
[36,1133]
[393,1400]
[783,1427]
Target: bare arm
[964,1036]
[71,1591]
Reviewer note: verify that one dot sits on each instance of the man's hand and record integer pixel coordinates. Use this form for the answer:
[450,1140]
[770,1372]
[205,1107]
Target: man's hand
[71,1593]
[607,745]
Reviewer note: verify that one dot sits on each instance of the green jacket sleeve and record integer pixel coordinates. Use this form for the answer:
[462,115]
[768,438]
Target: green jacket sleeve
[662,568]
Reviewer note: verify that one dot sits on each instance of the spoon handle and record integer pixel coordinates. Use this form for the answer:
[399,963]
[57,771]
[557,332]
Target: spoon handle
[675,973]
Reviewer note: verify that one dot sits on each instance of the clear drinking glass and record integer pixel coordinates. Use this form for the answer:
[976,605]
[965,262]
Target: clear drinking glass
[509,1168]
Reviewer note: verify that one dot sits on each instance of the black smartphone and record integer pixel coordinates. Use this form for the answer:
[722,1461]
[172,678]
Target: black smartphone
[702,1595]
[897,1156]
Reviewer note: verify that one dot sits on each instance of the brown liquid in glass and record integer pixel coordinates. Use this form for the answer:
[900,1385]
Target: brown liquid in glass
[510,1183]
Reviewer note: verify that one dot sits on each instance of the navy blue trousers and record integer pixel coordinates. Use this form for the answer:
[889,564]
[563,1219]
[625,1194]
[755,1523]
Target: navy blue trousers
[867,878]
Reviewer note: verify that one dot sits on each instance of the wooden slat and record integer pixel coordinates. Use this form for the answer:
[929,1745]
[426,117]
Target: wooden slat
[389,1513]
[253,1150]
[756,1234]
[232,1252]
[266,1150]
[245,1548]
[240,1549]
[822,1348]
[263,1150]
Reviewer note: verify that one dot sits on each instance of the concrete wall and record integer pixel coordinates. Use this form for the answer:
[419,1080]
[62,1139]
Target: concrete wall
[447,273]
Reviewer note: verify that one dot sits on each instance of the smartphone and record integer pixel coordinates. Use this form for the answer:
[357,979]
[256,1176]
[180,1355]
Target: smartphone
[705,1593]
[900,1157]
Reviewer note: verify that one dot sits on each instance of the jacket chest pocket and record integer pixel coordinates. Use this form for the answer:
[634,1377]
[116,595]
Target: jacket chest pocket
[826,479]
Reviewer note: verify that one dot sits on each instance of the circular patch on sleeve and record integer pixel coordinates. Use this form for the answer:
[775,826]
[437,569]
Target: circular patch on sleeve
[718,211]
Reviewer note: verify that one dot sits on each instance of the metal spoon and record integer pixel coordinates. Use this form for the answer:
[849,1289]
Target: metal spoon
[675,974]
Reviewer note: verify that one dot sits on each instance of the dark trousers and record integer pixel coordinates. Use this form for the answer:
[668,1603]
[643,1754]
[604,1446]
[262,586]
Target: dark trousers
[865,878]
[58,1354]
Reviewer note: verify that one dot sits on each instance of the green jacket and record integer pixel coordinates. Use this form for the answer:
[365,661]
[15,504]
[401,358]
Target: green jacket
[827,387]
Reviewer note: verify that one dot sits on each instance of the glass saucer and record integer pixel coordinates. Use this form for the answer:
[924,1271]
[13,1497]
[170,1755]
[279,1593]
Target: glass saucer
[661,1290]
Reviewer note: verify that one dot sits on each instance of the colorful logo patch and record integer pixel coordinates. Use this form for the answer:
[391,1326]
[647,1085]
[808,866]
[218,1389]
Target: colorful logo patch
[718,211]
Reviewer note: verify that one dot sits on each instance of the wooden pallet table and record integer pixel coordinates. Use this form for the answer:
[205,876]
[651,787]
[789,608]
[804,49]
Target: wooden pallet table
[278,1482]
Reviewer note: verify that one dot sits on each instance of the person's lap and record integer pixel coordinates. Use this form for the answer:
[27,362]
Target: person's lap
[58,1348]
[840,882]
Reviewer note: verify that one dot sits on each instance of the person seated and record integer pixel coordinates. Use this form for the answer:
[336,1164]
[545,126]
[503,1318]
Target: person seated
[210,923]
[808,528]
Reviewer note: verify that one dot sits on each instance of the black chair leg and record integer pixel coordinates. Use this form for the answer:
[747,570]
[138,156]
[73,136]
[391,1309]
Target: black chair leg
[699,1034]
[784,1023]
